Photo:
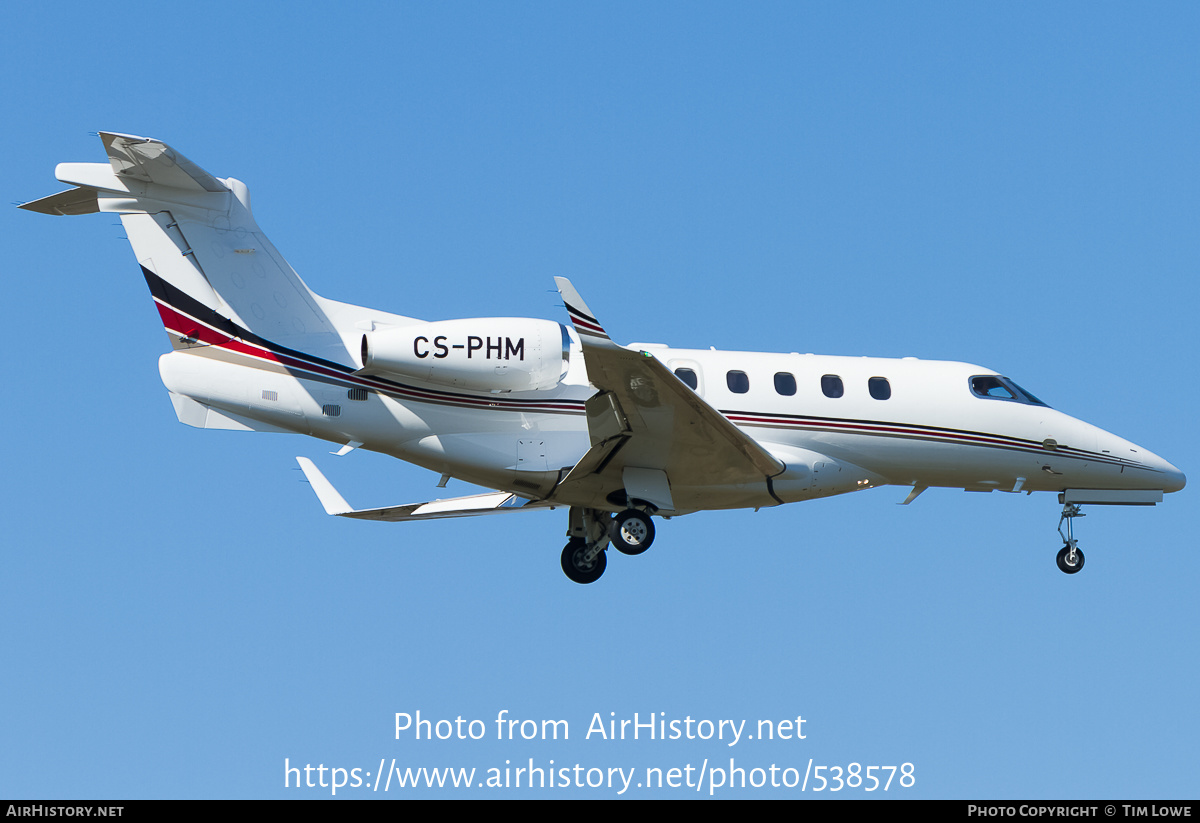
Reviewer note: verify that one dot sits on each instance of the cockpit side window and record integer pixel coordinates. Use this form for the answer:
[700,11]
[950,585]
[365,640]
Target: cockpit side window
[1029,397]
[995,387]
[990,386]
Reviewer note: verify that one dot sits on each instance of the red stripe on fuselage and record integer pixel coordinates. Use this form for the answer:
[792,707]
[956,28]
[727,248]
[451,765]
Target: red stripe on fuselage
[202,333]
[186,326]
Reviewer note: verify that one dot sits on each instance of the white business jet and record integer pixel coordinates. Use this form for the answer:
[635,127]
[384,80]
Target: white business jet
[555,416]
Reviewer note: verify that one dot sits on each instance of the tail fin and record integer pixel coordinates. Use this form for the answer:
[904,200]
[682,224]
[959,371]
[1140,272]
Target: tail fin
[204,257]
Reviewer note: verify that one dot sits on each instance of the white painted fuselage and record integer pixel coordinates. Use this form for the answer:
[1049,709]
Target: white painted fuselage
[932,430]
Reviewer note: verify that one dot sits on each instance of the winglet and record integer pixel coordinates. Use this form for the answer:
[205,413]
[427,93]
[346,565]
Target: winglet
[581,316]
[333,502]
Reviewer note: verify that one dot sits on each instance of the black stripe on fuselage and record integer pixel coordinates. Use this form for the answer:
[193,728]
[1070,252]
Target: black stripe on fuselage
[183,303]
[965,437]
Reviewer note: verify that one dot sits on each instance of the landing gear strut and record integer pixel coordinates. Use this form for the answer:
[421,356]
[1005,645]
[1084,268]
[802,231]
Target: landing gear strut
[584,558]
[1070,558]
[591,530]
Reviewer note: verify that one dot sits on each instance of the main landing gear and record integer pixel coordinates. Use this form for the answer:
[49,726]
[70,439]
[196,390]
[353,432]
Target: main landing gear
[1070,558]
[631,531]
[581,563]
[591,530]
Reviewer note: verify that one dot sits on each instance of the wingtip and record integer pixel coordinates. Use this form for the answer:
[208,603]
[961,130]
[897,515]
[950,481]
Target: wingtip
[581,316]
[331,501]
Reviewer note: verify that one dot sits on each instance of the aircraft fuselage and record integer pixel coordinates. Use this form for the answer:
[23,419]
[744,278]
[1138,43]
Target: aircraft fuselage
[930,429]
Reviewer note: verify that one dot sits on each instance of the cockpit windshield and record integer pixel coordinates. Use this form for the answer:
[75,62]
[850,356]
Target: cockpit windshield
[995,387]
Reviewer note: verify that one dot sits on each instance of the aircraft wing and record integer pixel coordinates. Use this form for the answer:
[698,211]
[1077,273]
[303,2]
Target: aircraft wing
[645,419]
[471,506]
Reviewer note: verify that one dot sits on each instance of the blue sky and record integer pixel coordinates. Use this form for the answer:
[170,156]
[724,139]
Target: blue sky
[1010,185]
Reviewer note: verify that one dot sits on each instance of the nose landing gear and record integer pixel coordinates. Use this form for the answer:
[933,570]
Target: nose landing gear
[1070,558]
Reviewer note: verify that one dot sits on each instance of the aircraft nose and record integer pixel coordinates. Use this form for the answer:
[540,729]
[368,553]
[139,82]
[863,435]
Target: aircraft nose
[1151,470]
[1173,477]
[1165,475]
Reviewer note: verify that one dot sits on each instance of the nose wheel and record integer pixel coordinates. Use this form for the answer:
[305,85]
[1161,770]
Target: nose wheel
[1070,558]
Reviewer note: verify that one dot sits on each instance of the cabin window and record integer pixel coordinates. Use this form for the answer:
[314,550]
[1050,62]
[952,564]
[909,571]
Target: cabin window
[995,387]
[688,376]
[880,388]
[831,386]
[737,381]
[785,383]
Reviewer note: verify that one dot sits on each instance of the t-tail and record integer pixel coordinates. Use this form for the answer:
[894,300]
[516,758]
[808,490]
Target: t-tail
[212,272]
[254,347]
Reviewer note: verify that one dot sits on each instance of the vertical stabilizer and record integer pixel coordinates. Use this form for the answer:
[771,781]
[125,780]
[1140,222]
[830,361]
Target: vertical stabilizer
[198,244]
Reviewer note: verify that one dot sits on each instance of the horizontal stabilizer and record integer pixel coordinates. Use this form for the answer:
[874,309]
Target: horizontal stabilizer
[153,161]
[476,504]
[70,202]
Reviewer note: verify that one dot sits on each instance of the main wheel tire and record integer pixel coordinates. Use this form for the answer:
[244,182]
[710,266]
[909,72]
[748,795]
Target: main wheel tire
[1064,563]
[631,531]
[574,566]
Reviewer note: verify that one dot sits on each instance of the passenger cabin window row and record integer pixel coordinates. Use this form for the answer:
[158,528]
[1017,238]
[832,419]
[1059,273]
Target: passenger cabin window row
[738,382]
[987,386]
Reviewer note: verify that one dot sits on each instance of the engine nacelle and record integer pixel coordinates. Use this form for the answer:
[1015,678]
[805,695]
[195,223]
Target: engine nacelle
[481,354]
